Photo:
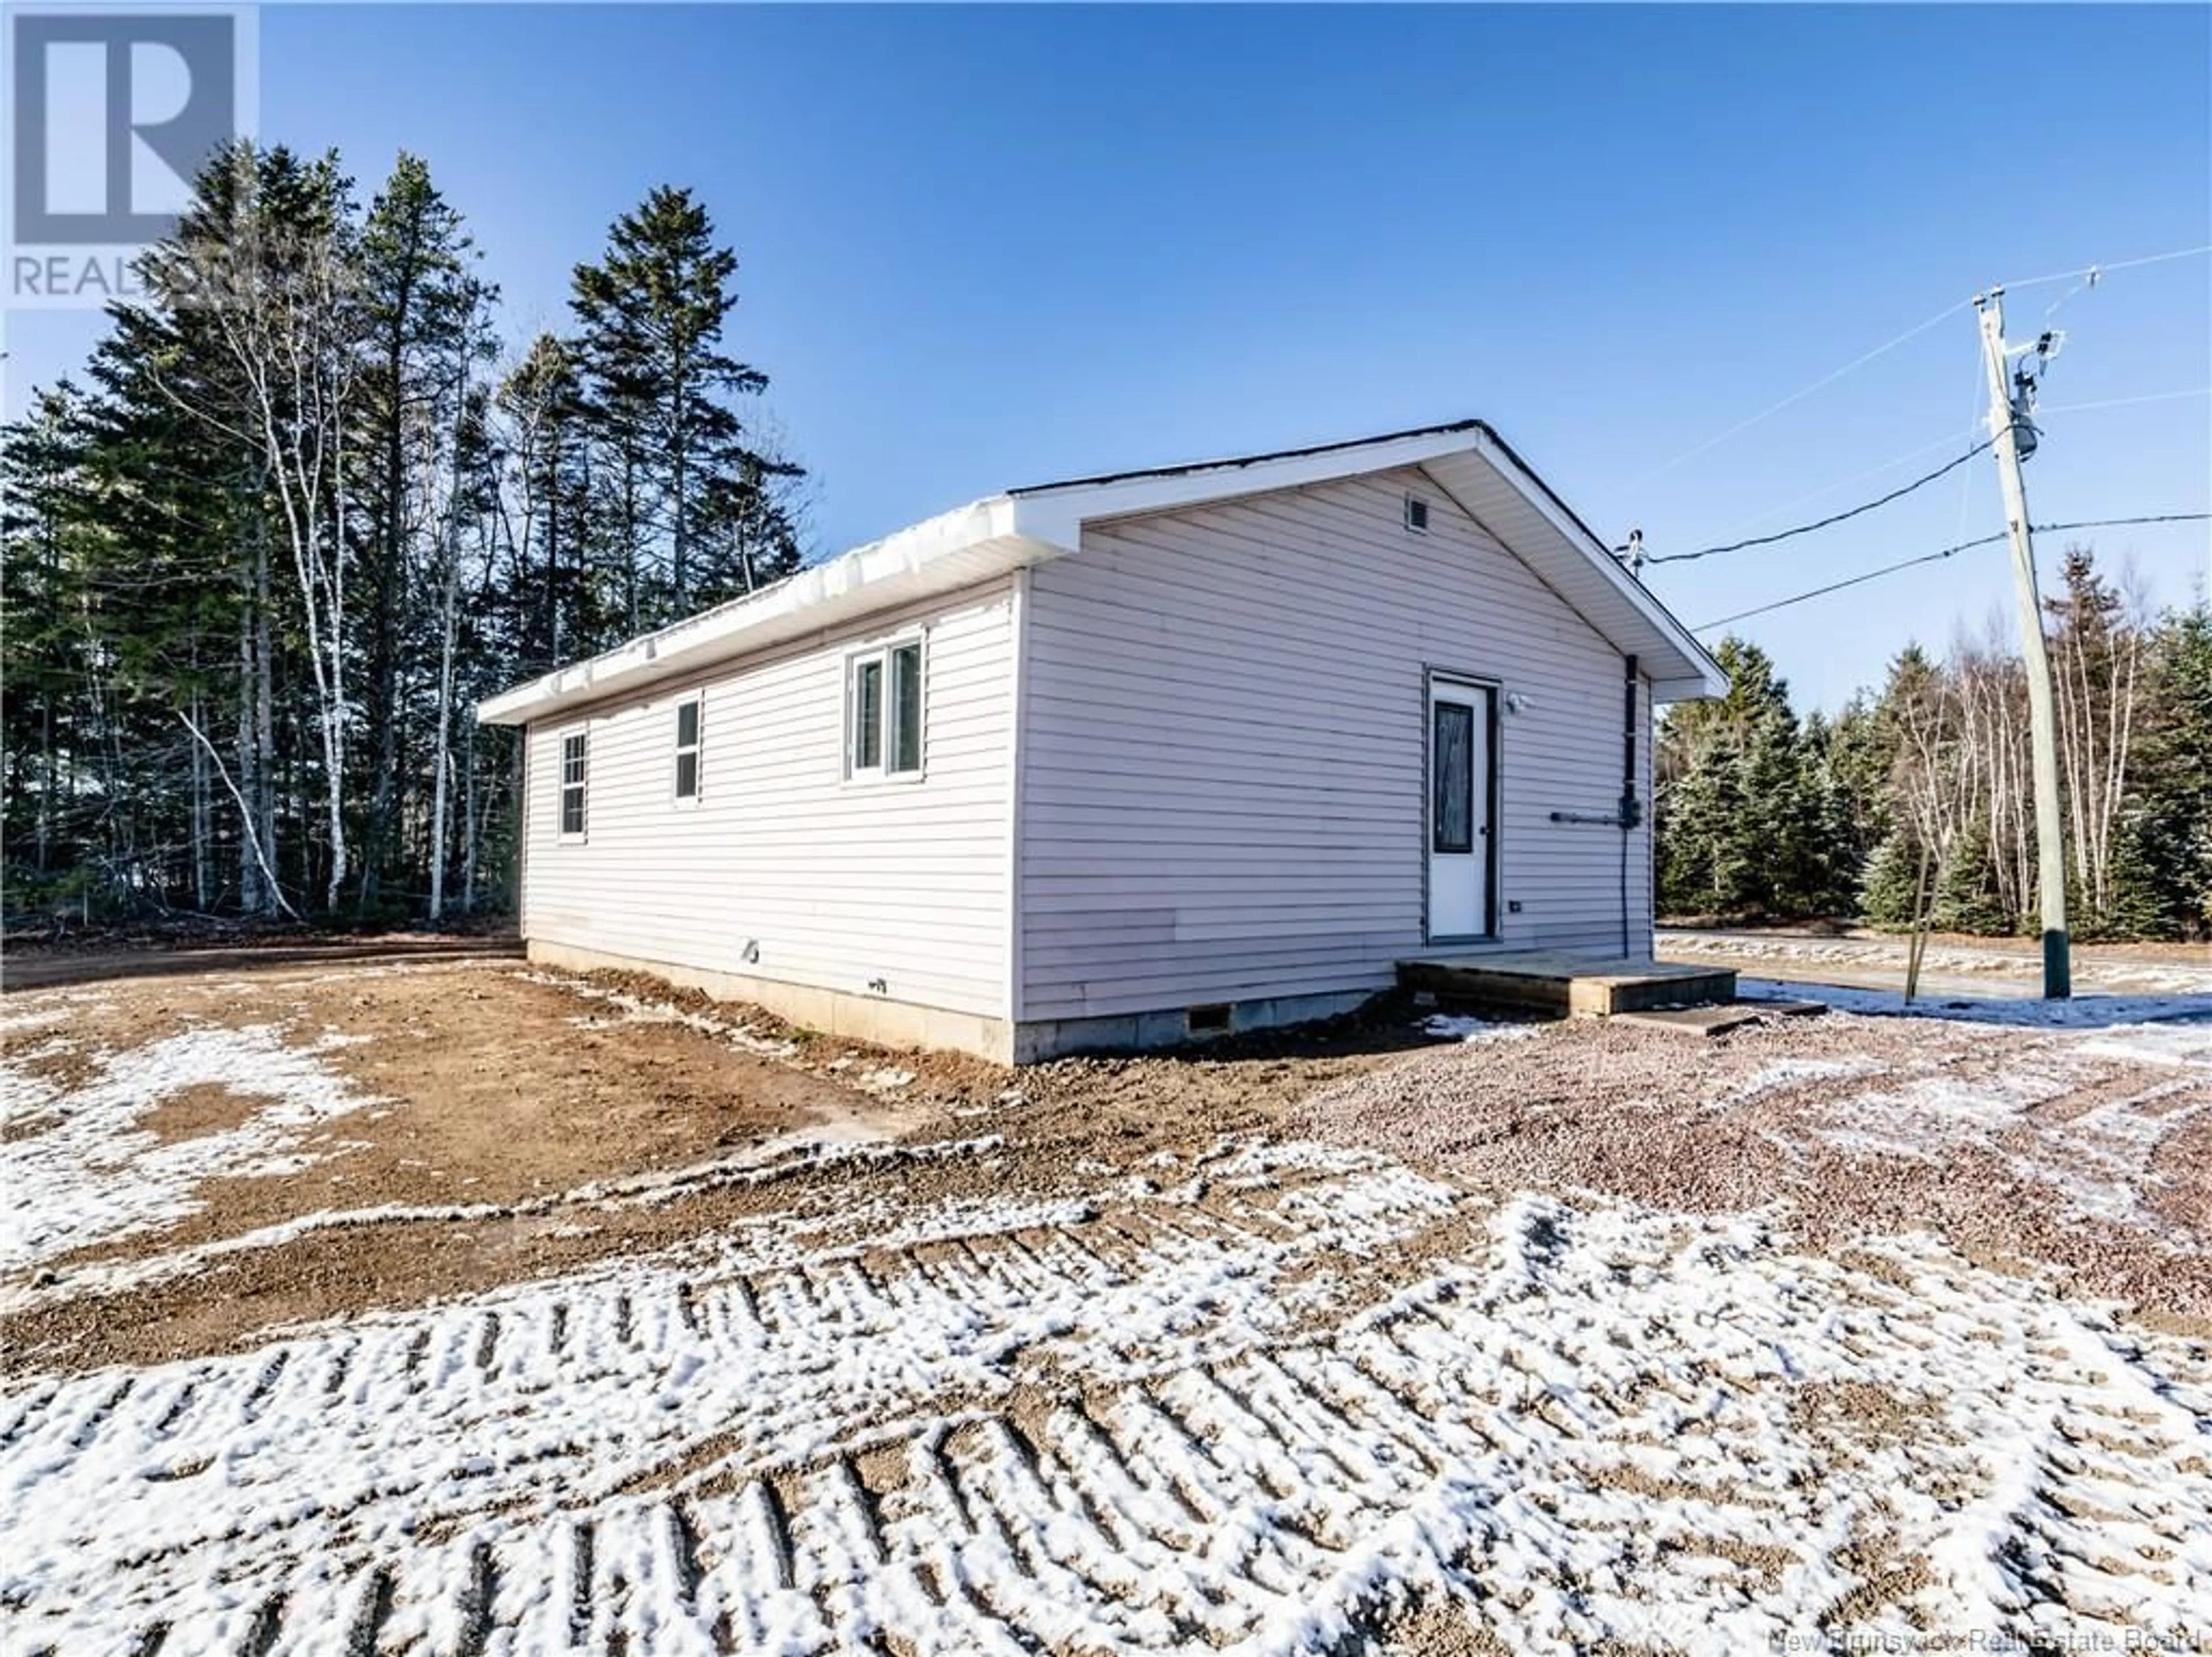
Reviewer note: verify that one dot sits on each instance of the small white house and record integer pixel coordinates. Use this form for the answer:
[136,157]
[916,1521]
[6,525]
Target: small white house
[1125,760]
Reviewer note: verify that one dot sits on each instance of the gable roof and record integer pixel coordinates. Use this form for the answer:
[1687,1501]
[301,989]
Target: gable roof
[1465,460]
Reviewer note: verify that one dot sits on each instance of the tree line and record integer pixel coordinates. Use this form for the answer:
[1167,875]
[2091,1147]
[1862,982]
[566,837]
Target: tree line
[309,502]
[1916,800]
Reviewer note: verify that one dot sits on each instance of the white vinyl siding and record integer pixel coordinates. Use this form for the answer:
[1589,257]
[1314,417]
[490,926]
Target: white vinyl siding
[1224,792]
[829,884]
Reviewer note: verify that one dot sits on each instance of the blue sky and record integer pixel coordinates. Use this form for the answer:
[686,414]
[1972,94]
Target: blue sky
[986,247]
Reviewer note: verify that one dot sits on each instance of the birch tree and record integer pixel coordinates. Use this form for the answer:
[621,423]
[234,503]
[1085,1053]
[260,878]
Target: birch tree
[264,266]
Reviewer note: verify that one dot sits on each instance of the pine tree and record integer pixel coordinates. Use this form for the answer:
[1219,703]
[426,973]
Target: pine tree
[424,308]
[660,394]
[1966,894]
[1743,825]
[2173,805]
[255,571]
[557,610]
[1891,895]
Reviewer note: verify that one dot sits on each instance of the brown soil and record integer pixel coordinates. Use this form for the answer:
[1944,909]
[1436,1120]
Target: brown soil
[204,1108]
[521,1103]
[37,963]
[494,1098]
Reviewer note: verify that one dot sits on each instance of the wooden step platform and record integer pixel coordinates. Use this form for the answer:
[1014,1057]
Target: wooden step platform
[1545,981]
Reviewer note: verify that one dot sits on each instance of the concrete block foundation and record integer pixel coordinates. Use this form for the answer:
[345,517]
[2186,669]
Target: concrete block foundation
[887,1023]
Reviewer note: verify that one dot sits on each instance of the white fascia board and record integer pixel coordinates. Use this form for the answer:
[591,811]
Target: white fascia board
[956,549]
[1706,677]
[1064,507]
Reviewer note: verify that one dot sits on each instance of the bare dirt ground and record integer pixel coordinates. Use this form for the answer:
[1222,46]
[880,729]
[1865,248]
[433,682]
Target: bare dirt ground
[41,964]
[484,1109]
[457,1306]
[2088,1155]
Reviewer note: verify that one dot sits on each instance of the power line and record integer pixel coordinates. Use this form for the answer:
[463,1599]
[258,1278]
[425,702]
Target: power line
[1951,440]
[1931,557]
[2124,402]
[1966,479]
[1852,580]
[2120,523]
[1822,383]
[2079,272]
[1897,494]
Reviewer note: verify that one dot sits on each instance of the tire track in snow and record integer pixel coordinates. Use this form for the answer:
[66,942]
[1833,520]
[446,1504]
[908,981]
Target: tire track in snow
[1147,1435]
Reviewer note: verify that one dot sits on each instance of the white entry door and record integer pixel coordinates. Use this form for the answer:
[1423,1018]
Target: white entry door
[1459,809]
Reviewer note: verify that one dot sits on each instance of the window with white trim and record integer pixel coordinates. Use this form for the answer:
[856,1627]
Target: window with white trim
[689,713]
[573,755]
[883,706]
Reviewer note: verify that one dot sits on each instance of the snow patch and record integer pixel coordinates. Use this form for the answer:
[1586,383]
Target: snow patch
[636,1009]
[97,1174]
[759,1164]
[1456,1026]
[2083,1012]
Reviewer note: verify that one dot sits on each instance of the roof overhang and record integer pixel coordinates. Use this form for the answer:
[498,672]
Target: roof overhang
[939,556]
[1466,459]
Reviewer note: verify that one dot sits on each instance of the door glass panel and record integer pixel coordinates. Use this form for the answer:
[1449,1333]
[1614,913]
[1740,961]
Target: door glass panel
[1451,777]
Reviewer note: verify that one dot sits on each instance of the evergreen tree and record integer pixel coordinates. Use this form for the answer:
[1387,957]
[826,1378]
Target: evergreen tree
[2173,810]
[1892,895]
[1966,894]
[555,607]
[256,572]
[424,309]
[660,392]
[1705,864]
[1743,821]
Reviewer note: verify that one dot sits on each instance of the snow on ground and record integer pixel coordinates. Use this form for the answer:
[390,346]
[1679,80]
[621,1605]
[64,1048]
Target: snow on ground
[79,1166]
[638,1009]
[1459,1026]
[1248,1421]
[2081,1012]
[2112,972]
[758,1164]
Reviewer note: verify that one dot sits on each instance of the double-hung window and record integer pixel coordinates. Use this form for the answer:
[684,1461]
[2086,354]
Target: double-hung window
[883,712]
[572,756]
[689,713]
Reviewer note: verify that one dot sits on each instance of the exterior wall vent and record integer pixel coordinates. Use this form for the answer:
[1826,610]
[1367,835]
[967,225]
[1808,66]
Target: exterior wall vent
[1212,1020]
[1417,514]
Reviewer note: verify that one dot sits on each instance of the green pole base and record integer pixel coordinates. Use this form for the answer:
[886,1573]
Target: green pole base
[2058,967]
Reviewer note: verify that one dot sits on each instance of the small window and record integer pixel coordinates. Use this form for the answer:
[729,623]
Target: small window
[906,709]
[884,711]
[1417,514]
[868,715]
[687,749]
[572,785]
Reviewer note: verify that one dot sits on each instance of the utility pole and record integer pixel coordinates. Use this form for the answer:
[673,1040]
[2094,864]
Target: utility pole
[2005,422]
